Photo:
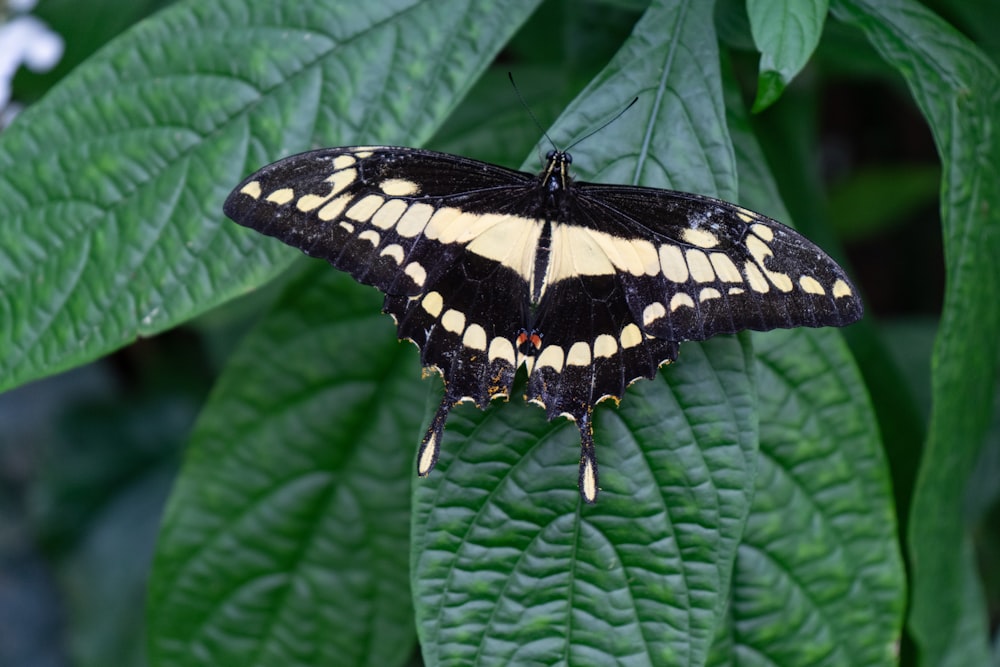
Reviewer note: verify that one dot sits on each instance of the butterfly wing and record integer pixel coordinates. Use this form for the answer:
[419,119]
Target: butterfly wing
[404,220]
[722,268]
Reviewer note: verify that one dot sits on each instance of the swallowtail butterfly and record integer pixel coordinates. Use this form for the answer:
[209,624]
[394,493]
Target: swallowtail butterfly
[588,286]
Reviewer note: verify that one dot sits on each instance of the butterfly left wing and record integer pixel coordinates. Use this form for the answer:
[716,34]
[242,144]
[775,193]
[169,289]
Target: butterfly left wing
[436,233]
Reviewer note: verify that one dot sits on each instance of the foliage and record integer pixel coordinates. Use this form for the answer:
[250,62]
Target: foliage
[756,495]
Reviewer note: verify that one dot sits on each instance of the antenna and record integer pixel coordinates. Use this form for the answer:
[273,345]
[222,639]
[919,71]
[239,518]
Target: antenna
[510,75]
[593,132]
[618,115]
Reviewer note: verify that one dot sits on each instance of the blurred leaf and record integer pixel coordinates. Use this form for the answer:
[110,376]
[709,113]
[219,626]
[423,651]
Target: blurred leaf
[956,87]
[105,576]
[910,341]
[786,32]
[110,186]
[875,199]
[285,541]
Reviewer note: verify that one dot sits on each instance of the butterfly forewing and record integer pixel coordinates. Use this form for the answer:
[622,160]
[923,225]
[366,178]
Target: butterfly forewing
[589,286]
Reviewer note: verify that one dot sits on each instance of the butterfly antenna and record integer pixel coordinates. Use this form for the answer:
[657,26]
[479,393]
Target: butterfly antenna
[593,132]
[510,75]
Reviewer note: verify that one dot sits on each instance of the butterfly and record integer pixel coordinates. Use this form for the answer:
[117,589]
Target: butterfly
[590,287]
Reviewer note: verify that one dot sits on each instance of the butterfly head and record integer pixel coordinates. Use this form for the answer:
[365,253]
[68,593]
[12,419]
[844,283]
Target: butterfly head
[555,178]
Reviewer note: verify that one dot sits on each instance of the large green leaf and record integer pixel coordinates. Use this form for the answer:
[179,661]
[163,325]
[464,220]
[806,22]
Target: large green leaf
[508,566]
[818,577]
[958,90]
[110,226]
[286,538]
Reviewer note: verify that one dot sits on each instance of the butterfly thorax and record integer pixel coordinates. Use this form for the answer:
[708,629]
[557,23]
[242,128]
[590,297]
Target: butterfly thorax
[553,198]
[555,182]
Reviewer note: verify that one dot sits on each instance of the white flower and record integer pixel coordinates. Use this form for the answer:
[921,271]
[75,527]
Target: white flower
[25,39]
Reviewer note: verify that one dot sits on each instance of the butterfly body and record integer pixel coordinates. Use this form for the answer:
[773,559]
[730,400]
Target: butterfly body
[588,286]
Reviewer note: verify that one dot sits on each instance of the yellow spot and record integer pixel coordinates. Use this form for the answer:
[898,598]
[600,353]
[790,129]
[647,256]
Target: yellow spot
[387,216]
[708,293]
[758,249]
[700,238]
[361,155]
[347,226]
[453,321]
[501,348]
[681,299]
[745,215]
[282,196]
[701,268]
[334,208]
[724,267]
[576,251]
[507,239]
[343,161]
[635,256]
[761,252]
[475,337]
[605,345]
[428,455]
[252,189]
[579,354]
[440,222]
[672,263]
[840,288]
[811,285]
[552,356]
[780,280]
[414,220]
[399,187]
[418,274]
[433,303]
[365,208]
[755,278]
[589,481]
[763,231]
[653,312]
[340,180]
[735,290]
[393,250]
[307,203]
[646,256]
[370,235]
[631,336]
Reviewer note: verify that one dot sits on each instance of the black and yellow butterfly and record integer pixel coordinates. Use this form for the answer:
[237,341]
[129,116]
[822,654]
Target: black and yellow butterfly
[589,286]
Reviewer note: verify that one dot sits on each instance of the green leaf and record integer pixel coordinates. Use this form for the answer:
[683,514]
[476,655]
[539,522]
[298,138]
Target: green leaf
[286,538]
[821,518]
[957,89]
[110,186]
[508,566]
[786,33]
[818,579]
